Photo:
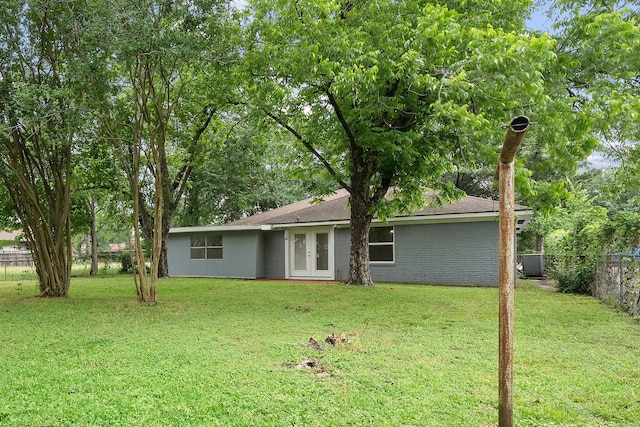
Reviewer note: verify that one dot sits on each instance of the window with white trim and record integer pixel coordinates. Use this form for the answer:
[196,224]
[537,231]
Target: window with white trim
[381,244]
[206,247]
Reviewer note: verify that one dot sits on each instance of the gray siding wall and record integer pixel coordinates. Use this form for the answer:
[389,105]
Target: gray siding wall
[274,250]
[178,254]
[455,253]
[240,256]
[259,255]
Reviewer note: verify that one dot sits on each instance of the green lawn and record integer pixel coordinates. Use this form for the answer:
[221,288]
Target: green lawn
[223,353]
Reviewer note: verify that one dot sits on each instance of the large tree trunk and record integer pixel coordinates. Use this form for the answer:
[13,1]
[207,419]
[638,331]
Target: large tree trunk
[49,236]
[52,265]
[41,195]
[94,240]
[359,272]
[146,285]
[163,261]
[148,227]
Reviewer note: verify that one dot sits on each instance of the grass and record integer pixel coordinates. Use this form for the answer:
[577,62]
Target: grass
[223,353]
[79,269]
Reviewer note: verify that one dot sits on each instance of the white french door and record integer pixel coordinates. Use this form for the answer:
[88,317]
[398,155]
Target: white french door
[311,253]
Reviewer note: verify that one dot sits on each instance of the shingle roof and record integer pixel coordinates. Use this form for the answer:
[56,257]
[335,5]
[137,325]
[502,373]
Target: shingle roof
[335,208]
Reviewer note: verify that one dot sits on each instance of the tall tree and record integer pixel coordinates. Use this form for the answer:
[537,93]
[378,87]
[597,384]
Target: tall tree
[251,171]
[172,56]
[41,83]
[384,94]
[599,44]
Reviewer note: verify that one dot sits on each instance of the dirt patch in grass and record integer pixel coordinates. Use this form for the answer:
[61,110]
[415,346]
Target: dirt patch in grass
[311,365]
[332,339]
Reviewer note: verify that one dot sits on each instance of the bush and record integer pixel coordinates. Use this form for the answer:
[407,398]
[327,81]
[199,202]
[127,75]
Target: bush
[573,274]
[125,261]
[574,281]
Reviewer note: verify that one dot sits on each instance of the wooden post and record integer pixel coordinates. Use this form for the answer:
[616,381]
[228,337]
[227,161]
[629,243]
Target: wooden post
[506,276]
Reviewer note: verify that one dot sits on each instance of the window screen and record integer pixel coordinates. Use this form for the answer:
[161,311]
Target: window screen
[206,247]
[381,244]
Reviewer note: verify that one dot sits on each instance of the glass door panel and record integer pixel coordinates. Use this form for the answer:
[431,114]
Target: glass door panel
[311,253]
[322,251]
[300,252]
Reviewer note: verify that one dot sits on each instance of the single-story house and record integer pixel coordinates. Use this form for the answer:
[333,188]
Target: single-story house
[454,244]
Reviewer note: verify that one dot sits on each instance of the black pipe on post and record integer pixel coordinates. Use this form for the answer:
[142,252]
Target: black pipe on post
[506,275]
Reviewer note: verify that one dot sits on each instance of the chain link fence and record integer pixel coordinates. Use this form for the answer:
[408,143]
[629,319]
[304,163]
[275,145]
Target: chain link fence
[618,282]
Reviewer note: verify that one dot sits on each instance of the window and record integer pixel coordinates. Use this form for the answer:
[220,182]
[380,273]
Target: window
[381,244]
[206,247]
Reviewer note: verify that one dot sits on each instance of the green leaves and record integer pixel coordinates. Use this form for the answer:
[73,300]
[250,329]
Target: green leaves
[593,100]
[601,42]
[392,83]
[41,120]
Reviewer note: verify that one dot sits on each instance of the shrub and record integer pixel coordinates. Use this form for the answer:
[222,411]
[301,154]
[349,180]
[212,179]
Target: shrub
[125,261]
[573,274]
[575,280]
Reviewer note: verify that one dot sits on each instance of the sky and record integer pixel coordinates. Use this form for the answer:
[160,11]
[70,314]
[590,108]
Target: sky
[540,21]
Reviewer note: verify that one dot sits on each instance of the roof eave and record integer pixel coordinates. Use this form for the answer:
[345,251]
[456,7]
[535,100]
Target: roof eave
[210,228]
[524,215]
[413,219]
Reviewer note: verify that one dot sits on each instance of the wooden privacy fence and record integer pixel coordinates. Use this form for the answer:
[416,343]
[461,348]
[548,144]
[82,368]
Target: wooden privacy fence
[618,282]
[16,259]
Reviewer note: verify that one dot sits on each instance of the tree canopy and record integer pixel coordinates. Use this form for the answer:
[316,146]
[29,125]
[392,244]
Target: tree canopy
[169,72]
[390,95]
[42,86]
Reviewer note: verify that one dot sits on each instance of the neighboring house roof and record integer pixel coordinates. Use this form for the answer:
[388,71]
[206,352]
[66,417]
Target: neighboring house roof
[117,247]
[335,209]
[10,235]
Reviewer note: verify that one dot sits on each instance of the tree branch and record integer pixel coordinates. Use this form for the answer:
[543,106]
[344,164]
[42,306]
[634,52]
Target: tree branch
[182,177]
[310,147]
[340,116]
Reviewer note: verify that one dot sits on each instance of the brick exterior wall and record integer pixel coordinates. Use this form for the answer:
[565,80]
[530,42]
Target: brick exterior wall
[451,253]
[464,253]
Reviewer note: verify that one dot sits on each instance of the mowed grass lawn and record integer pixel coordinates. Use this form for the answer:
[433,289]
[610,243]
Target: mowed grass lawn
[224,353]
